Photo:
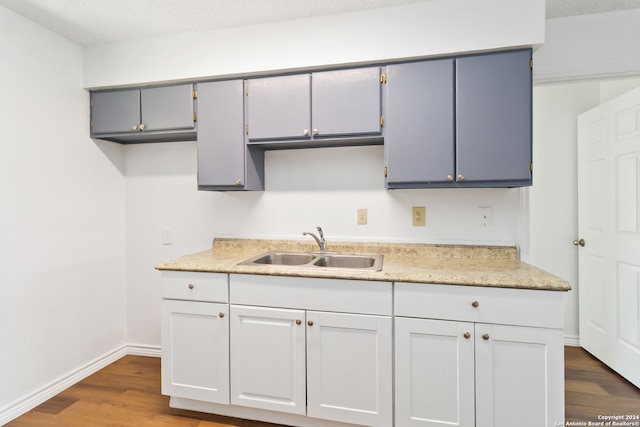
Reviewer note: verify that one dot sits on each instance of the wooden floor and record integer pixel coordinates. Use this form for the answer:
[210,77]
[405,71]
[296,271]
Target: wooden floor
[127,393]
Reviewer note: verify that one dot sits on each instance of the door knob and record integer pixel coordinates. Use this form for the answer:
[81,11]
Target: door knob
[580,242]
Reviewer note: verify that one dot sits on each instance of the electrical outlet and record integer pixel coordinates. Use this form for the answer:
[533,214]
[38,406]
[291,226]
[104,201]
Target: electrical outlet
[419,215]
[486,219]
[362,216]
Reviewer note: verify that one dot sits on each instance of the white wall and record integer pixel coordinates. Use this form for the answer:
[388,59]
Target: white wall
[62,295]
[428,28]
[577,69]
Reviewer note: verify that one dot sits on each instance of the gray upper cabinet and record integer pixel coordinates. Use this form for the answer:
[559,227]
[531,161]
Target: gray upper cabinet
[420,141]
[315,107]
[144,115]
[224,161]
[460,122]
[279,107]
[493,119]
[346,102]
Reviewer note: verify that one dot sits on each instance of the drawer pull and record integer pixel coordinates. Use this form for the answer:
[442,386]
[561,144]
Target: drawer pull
[310,323]
[475,304]
[298,322]
[190,285]
[467,335]
[485,336]
[221,314]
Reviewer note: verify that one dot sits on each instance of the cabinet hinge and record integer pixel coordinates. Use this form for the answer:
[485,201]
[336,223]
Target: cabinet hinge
[195,117]
[531,167]
[246,129]
[246,89]
[382,121]
[531,64]
[194,94]
[385,171]
[383,78]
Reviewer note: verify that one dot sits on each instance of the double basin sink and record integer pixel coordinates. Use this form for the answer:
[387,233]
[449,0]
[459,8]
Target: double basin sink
[318,260]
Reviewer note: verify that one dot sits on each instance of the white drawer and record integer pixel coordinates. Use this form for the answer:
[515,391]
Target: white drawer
[524,307]
[193,286]
[307,293]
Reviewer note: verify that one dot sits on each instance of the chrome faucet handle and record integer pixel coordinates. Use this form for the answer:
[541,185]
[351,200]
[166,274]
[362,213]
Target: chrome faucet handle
[320,232]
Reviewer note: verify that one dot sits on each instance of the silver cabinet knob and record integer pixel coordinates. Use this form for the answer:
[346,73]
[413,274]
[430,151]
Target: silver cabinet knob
[485,336]
[580,242]
[305,132]
[310,323]
[141,126]
[221,314]
[449,178]
[238,181]
[460,177]
[467,335]
[134,127]
[298,322]
[315,131]
[190,285]
[475,304]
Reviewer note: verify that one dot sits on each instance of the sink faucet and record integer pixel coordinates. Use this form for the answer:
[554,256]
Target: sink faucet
[320,241]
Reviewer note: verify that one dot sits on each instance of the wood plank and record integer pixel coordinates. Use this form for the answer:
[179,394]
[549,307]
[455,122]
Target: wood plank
[127,394]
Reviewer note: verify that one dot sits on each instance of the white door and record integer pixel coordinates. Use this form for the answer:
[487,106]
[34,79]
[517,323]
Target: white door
[434,373]
[268,358]
[349,368]
[518,377]
[609,224]
[195,350]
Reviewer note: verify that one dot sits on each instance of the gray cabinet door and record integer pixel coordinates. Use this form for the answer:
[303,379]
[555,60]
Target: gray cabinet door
[346,102]
[420,122]
[167,108]
[279,107]
[221,147]
[493,132]
[115,111]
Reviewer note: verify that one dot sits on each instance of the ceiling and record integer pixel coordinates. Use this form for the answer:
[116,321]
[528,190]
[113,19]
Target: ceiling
[100,21]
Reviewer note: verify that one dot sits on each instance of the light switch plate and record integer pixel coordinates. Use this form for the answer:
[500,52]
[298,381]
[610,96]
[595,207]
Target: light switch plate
[362,216]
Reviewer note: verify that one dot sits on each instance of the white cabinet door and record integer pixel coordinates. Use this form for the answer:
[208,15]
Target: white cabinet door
[434,373]
[195,350]
[268,358]
[349,368]
[519,371]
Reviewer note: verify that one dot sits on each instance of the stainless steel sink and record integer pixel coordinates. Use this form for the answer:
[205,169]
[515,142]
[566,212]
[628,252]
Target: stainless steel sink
[318,260]
[345,261]
[281,258]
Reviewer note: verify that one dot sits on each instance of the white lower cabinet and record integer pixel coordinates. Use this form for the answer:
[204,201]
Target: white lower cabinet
[195,350]
[195,336]
[268,359]
[469,373]
[346,376]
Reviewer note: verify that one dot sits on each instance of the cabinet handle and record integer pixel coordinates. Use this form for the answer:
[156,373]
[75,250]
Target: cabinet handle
[298,322]
[134,127]
[485,336]
[310,323]
[221,314]
[467,335]
[190,285]
[141,126]
[460,177]
[449,178]
[475,304]
[238,181]
[315,131]
[305,132]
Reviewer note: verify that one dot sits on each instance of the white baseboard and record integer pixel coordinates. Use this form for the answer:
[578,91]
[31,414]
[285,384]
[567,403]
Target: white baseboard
[46,392]
[572,340]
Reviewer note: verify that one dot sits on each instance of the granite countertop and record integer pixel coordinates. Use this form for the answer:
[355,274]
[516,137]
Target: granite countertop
[493,266]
